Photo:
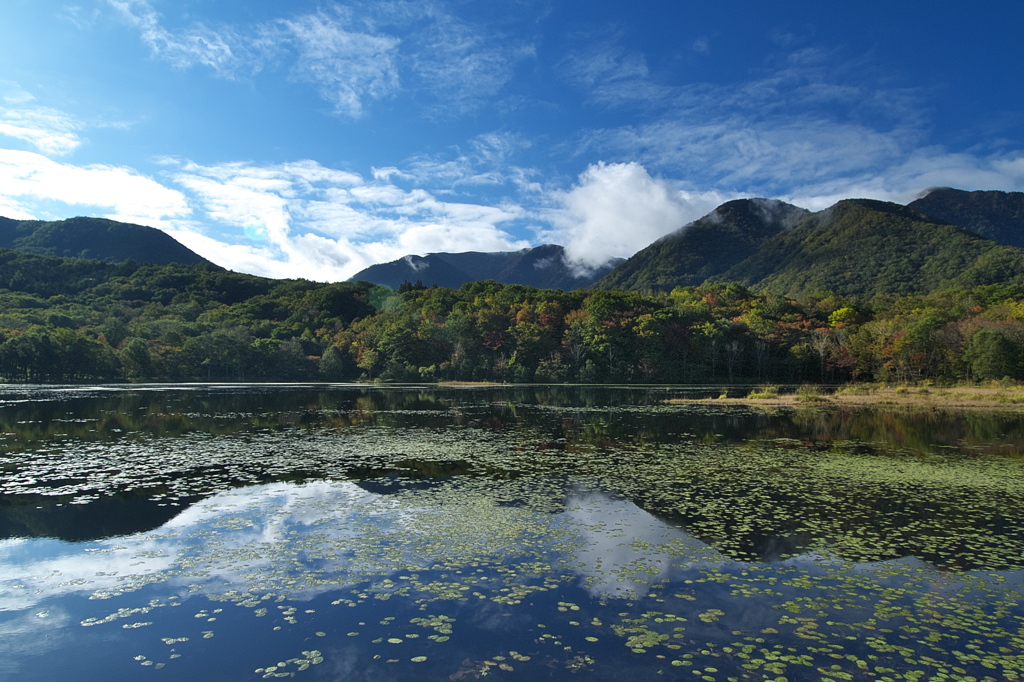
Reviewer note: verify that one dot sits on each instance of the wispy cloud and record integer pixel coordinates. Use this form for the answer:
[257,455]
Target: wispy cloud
[79,16]
[346,66]
[612,75]
[461,64]
[49,130]
[198,45]
[489,159]
[343,52]
[809,120]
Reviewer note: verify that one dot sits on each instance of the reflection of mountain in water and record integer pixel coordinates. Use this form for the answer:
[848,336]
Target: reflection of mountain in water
[107,516]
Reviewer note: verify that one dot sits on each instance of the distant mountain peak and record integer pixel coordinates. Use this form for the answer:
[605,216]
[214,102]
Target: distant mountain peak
[544,267]
[705,247]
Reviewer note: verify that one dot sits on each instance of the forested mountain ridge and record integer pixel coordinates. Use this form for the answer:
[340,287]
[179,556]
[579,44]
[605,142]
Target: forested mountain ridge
[544,267]
[865,247]
[95,238]
[73,320]
[705,248]
[998,216]
[857,247]
[863,290]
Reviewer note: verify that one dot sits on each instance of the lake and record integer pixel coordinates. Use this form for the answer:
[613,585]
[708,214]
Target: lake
[344,532]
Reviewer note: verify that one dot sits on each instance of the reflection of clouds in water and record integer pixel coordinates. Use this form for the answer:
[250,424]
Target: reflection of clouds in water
[314,538]
[230,536]
[22,635]
[624,549]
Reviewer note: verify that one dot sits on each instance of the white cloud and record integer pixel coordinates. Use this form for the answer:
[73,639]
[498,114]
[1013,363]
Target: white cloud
[811,129]
[119,193]
[343,53]
[613,76]
[48,130]
[617,209]
[305,220]
[922,169]
[221,51]
[78,16]
[763,157]
[346,66]
[461,63]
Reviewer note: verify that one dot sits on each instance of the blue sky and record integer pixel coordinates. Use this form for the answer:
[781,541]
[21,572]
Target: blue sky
[311,139]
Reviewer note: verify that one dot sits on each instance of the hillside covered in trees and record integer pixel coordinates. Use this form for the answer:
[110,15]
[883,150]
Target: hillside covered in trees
[758,290]
[72,320]
[856,247]
[95,238]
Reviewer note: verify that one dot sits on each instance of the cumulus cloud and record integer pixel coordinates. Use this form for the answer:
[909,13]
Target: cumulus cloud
[305,220]
[116,192]
[617,209]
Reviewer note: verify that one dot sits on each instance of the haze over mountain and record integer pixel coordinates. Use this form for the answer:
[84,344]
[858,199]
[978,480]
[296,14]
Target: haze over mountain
[544,267]
[95,238]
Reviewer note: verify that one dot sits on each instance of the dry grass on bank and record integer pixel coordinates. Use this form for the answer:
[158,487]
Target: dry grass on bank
[992,396]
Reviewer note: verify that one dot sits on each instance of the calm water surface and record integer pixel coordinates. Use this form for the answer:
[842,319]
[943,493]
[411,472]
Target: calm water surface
[524,533]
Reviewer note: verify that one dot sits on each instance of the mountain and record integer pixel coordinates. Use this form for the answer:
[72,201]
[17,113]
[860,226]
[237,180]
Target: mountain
[543,267]
[998,216]
[856,247]
[866,247]
[95,238]
[706,247]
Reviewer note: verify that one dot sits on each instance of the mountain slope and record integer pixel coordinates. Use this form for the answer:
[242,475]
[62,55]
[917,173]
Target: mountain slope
[866,247]
[544,267]
[998,216]
[95,238]
[706,247]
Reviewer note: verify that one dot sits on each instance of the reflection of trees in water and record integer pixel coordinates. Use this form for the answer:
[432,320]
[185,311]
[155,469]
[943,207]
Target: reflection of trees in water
[971,431]
[703,467]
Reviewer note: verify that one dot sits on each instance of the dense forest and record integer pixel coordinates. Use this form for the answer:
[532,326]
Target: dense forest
[73,320]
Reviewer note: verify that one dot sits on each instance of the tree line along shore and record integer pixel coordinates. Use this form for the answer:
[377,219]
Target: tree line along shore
[68,320]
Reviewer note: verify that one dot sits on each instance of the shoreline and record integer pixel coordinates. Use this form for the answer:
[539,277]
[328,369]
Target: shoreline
[855,395]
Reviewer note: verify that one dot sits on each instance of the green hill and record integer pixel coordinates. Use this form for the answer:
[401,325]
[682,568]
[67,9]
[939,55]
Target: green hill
[95,238]
[866,247]
[857,247]
[705,248]
[998,216]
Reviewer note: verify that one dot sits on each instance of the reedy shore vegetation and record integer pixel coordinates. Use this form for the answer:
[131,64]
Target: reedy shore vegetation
[71,320]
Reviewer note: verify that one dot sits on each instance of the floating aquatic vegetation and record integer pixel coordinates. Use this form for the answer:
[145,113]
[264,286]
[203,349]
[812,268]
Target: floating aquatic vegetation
[516,551]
